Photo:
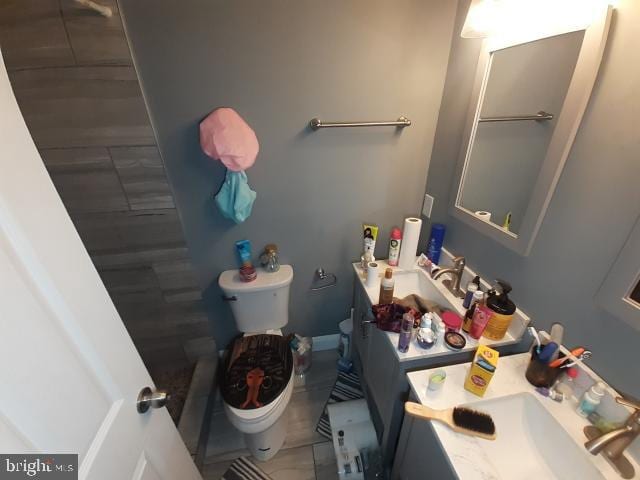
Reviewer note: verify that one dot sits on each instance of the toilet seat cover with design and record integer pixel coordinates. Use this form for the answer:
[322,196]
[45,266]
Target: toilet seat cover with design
[257,370]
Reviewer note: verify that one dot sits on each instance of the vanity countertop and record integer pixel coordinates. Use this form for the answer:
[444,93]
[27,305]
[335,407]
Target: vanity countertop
[447,300]
[465,453]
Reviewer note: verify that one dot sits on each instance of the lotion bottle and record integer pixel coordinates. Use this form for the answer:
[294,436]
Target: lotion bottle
[386,288]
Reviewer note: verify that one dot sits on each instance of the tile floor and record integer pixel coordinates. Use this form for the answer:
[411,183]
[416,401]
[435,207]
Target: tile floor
[306,455]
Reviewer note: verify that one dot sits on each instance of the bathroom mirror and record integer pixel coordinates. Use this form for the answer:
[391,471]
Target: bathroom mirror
[526,107]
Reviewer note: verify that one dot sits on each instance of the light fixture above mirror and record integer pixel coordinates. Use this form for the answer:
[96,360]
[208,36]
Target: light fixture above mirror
[513,19]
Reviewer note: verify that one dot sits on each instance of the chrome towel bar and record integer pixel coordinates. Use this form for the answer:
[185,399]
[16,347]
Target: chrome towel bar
[316,124]
[541,115]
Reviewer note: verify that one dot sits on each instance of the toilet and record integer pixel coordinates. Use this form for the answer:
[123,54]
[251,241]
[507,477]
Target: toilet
[257,380]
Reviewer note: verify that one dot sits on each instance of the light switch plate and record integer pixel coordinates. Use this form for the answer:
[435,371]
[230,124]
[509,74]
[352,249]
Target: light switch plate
[427,205]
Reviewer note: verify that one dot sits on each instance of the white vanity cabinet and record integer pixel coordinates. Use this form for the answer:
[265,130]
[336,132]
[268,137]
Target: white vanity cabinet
[383,369]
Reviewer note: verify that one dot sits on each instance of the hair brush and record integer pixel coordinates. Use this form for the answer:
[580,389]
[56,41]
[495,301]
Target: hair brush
[459,419]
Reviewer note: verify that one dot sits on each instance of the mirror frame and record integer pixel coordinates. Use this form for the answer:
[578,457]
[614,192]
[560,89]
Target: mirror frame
[569,119]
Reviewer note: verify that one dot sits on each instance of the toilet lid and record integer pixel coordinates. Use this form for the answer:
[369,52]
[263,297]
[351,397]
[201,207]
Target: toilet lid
[257,370]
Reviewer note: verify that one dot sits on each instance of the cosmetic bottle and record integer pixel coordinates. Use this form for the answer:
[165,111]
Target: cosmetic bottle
[394,246]
[478,297]
[591,399]
[405,332]
[436,240]
[481,316]
[502,309]
[472,287]
[386,288]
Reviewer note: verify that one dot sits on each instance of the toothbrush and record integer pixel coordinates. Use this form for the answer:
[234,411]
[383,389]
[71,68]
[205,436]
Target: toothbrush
[536,337]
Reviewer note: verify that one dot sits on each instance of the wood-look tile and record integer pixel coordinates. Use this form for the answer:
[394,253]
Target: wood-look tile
[143,177]
[95,39]
[303,412]
[290,464]
[118,232]
[214,471]
[85,179]
[225,441]
[176,275]
[139,257]
[129,280]
[324,458]
[83,106]
[322,374]
[32,34]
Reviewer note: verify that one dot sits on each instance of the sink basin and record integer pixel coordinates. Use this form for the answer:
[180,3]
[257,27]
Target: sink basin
[531,444]
[409,282]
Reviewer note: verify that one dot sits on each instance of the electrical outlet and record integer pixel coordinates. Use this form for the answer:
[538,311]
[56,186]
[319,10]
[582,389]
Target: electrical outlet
[427,205]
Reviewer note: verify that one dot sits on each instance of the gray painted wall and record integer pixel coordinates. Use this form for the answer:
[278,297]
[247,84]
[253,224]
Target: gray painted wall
[506,156]
[279,64]
[590,216]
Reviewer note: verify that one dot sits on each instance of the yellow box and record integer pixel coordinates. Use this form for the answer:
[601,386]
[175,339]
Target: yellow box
[483,366]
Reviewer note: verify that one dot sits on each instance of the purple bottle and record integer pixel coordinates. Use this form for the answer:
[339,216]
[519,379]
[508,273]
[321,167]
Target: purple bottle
[405,332]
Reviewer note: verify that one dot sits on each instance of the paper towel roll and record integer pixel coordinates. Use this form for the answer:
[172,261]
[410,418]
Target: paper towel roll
[481,214]
[409,246]
[373,274]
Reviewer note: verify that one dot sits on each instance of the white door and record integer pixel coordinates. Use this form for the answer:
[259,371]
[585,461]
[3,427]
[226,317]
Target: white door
[69,372]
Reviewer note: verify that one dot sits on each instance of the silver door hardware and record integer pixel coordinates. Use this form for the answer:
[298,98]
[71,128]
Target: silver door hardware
[151,399]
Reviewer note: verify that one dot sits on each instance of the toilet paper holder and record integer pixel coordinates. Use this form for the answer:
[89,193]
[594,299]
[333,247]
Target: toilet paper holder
[322,275]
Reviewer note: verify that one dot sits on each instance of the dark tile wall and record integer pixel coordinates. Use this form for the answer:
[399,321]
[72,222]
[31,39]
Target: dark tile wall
[72,74]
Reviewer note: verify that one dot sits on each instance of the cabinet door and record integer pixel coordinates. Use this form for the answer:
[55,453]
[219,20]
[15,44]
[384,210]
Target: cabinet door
[362,327]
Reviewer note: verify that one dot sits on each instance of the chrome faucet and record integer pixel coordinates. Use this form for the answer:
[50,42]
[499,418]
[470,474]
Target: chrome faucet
[613,444]
[453,284]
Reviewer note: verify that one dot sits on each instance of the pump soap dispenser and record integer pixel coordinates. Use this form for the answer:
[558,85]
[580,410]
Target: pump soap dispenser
[503,309]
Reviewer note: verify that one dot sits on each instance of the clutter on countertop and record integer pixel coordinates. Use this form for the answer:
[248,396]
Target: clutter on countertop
[436,380]
[410,237]
[406,328]
[386,288]
[454,341]
[502,310]
[369,237]
[416,302]
[395,241]
[459,419]
[483,366]
[436,240]
[302,347]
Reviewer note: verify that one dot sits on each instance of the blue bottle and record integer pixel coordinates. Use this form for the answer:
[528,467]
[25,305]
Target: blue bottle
[434,248]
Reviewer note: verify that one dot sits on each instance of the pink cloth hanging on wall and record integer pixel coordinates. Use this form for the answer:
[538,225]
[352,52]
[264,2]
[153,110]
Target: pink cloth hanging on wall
[225,136]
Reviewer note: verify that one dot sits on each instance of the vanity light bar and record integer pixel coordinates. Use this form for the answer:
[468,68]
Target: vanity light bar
[316,123]
[541,115]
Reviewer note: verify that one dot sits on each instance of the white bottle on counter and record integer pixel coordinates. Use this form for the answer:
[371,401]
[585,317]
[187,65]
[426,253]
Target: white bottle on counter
[591,399]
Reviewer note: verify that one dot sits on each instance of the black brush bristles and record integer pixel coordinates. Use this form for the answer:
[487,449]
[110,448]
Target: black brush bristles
[473,420]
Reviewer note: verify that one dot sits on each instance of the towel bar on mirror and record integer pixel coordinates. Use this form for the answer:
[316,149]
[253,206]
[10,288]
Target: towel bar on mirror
[540,116]
[316,124]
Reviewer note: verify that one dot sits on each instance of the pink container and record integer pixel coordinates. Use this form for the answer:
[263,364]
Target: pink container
[452,321]
[481,317]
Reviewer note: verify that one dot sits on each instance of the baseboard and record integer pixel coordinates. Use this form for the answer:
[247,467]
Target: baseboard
[326,342]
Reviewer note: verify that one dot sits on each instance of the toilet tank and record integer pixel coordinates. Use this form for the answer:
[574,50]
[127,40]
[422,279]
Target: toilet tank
[259,305]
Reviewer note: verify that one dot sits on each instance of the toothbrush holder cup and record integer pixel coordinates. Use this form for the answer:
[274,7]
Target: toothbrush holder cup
[540,374]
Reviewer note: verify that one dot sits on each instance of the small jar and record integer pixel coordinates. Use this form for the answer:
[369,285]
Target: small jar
[269,258]
[591,399]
